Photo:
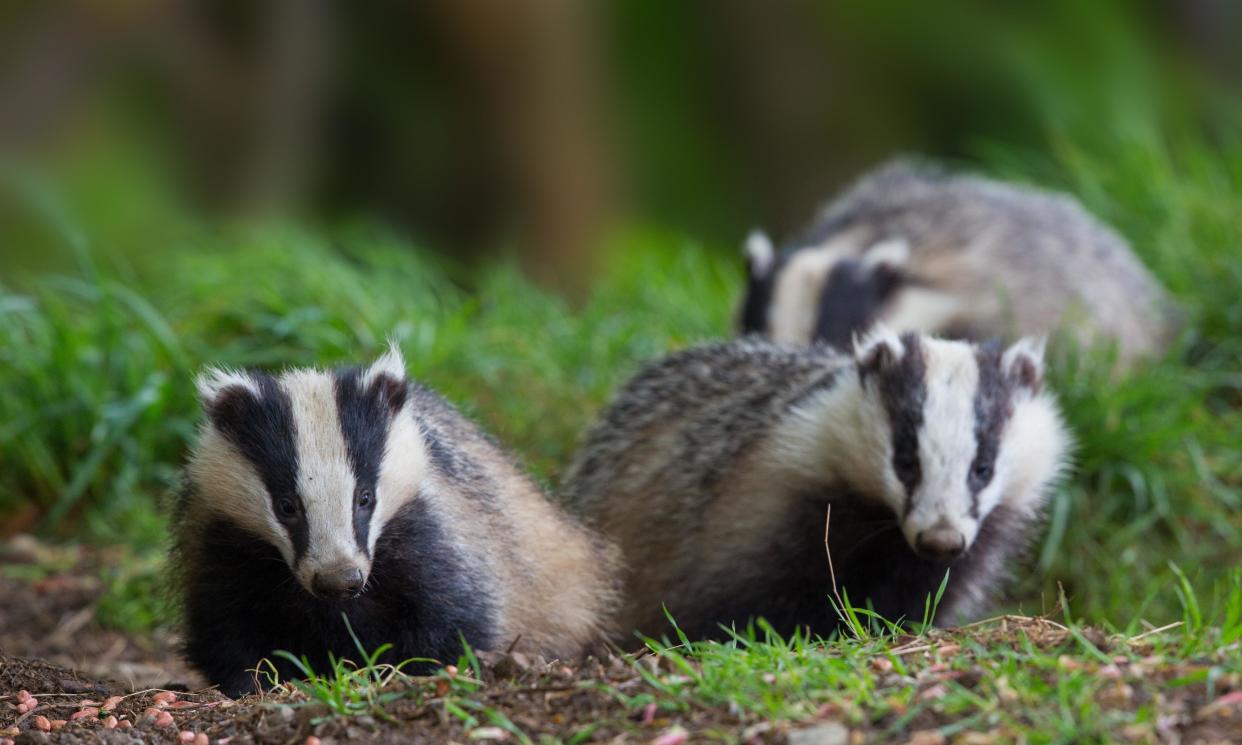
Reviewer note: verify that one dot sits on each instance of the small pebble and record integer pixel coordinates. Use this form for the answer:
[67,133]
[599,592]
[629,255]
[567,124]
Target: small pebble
[649,713]
[110,722]
[164,697]
[674,736]
[6,741]
[58,723]
[201,739]
[164,720]
[42,724]
[23,696]
[451,670]
[112,703]
[152,713]
[89,711]
[312,740]
[186,736]
[124,724]
[22,708]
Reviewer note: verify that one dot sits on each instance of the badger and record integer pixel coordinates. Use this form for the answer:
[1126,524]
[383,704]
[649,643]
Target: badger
[719,469]
[959,256]
[319,505]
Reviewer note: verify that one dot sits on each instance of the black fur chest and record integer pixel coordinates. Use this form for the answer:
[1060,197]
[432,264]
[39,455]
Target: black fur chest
[790,585]
[242,603]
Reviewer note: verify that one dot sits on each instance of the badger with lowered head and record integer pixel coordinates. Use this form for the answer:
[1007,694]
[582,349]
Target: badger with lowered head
[714,469]
[318,494]
[961,256]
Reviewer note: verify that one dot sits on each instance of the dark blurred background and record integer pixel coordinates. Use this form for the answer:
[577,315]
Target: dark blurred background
[542,123]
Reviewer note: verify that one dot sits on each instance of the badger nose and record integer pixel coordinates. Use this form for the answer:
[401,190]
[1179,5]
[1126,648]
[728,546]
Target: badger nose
[940,544]
[340,583]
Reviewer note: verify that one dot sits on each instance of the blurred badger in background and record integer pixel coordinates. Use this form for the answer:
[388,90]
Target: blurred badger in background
[957,256]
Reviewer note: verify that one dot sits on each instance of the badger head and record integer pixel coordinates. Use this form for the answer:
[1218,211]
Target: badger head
[823,293]
[961,429]
[313,462]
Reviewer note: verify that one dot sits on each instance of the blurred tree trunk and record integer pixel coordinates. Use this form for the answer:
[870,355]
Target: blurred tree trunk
[249,84]
[798,113]
[1211,30]
[534,69]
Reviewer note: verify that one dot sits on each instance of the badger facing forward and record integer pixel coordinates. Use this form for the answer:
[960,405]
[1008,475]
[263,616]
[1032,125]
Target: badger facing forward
[960,256]
[357,492]
[714,470]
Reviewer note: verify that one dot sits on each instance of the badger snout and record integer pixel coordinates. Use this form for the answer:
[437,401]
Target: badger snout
[941,542]
[340,582]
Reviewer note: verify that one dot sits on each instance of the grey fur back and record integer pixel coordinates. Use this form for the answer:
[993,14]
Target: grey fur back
[1021,260]
[709,402]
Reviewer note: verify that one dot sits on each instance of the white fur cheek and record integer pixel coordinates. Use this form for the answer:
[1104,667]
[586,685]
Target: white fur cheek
[229,487]
[992,494]
[403,470]
[1033,453]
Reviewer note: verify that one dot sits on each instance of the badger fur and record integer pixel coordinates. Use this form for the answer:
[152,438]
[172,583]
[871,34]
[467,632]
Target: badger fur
[357,492]
[959,256]
[714,470]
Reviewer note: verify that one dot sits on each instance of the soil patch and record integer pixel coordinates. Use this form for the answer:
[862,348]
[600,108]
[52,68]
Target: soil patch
[95,684]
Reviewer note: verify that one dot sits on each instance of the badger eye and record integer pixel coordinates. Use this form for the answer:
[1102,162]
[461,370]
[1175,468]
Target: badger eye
[981,472]
[365,497]
[287,508]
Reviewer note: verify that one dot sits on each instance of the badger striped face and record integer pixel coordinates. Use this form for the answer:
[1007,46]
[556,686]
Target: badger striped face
[824,293]
[315,462]
[968,429]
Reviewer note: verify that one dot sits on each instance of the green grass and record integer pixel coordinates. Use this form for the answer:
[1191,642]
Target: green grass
[1062,691]
[349,687]
[1012,679]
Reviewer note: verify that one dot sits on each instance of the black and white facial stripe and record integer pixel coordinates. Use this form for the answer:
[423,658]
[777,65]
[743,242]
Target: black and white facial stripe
[993,408]
[366,407]
[948,407]
[901,381]
[255,415]
[851,299]
[318,443]
[825,293]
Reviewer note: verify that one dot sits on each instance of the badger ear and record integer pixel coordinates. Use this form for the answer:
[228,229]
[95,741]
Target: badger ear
[390,363]
[388,377]
[879,349]
[1023,362]
[760,255]
[213,382]
[892,254]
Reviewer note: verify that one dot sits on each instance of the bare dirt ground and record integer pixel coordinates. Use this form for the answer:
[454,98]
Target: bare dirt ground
[90,684]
